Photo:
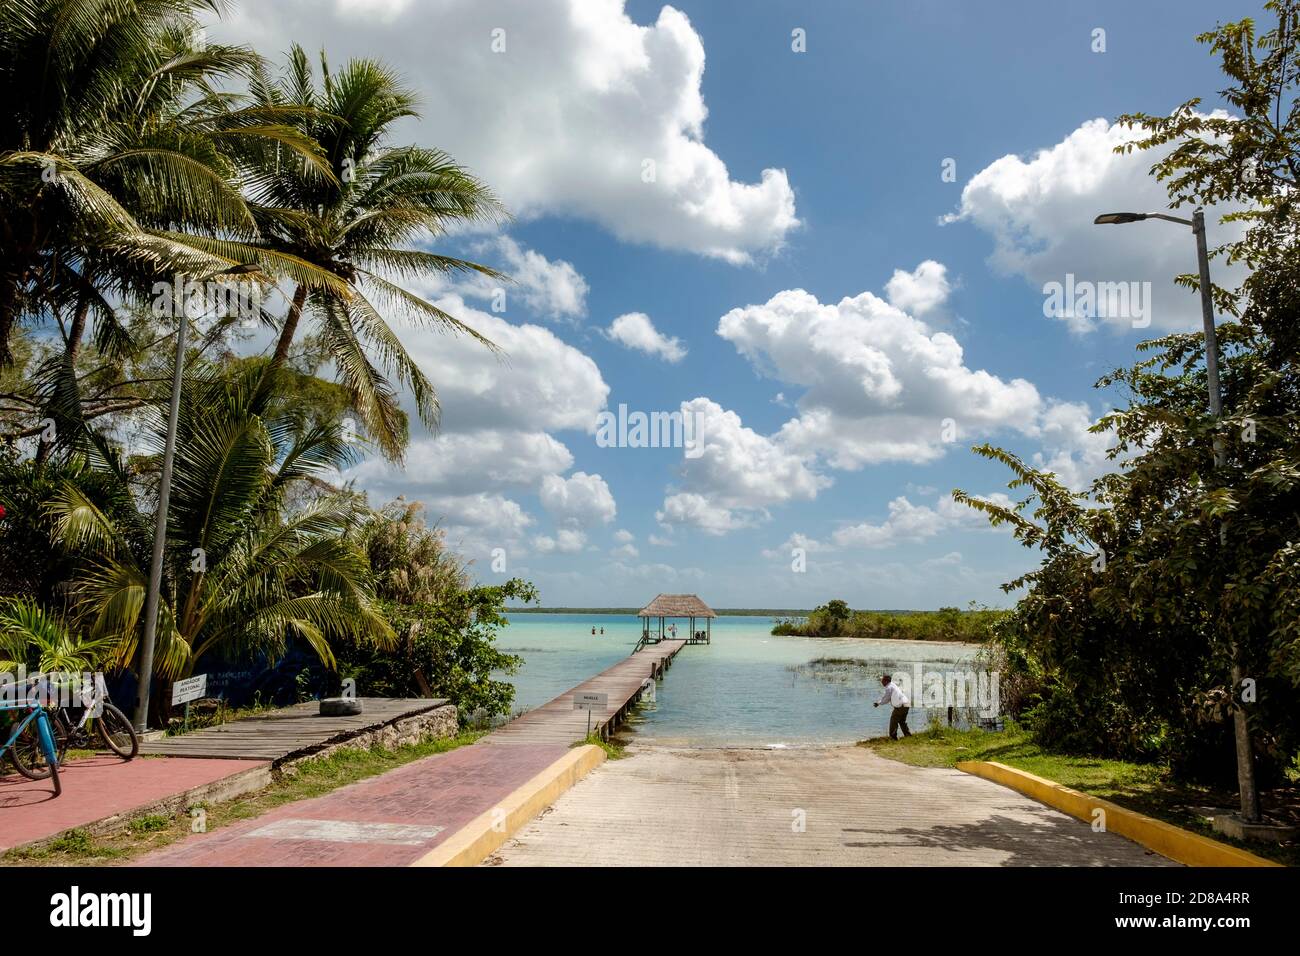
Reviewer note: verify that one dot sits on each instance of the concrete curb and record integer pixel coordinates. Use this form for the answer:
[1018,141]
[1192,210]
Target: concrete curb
[476,840]
[1179,845]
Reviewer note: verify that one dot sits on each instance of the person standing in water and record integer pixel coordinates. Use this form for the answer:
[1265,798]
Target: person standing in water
[895,697]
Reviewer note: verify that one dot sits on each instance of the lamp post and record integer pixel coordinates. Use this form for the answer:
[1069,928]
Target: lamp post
[1241,730]
[164,497]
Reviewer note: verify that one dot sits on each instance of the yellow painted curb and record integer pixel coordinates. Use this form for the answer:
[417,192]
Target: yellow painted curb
[1182,846]
[476,840]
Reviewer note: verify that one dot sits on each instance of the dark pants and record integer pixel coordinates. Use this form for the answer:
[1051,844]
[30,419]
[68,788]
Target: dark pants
[897,719]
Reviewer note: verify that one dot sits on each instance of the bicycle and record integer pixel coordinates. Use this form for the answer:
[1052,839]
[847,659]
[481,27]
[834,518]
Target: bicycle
[31,747]
[112,726]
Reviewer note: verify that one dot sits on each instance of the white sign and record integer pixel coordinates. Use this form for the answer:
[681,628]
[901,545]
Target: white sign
[586,701]
[192,688]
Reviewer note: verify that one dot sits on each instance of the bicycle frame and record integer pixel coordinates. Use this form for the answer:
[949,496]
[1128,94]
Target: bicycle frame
[44,733]
[92,704]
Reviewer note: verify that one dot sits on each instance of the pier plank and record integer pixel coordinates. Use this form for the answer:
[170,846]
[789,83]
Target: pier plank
[290,732]
[557,722]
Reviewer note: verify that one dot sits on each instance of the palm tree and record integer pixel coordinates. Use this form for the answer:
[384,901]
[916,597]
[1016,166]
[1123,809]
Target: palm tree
[33,636]
[361,228]
[243,573]
[117,144]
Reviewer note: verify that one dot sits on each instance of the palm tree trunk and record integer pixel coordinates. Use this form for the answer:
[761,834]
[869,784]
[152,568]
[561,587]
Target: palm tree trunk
[289,329]
[8,316]
[78,328]
[75,333]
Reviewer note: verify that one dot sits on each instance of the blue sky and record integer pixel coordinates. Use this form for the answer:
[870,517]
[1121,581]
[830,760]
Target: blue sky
[822,412]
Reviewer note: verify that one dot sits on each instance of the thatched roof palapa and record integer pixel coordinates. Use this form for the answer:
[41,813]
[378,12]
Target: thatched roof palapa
[677,605]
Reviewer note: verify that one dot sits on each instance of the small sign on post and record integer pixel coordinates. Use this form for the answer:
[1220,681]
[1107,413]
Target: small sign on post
[192,688]
[585,700]
[184,691]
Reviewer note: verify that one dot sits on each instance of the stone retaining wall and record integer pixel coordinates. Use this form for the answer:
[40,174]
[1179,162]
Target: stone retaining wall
[436,723]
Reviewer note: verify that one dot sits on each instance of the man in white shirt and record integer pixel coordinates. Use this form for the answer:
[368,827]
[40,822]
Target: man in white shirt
[898,701]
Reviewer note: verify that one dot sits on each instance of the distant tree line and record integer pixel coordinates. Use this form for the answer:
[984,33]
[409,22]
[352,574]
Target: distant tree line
[836,619]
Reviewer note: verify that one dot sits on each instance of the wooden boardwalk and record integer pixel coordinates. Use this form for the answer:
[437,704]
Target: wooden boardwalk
[292,732]
[557,721]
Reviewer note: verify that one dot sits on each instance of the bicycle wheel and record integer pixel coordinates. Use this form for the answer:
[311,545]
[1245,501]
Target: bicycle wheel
[61,727]
[27,754]
[117,733]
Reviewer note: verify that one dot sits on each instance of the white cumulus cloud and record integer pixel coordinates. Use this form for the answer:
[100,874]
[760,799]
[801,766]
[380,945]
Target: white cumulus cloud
[635,331]
[478,524]
[565,541]
[581,500]
[562,106]
[922,290]
[879,384]
[1040,214]
[698,512]
[463,462]
[549,287]
[737,475]
[538,383]
[909,523]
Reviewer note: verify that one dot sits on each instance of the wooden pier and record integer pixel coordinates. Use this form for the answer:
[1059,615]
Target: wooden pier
[291,732]
[558,722]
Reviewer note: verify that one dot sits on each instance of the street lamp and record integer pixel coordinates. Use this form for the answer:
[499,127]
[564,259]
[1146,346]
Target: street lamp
[164,497]
[1245,760]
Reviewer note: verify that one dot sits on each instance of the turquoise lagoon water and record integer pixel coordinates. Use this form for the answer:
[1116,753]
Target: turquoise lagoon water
[748,688]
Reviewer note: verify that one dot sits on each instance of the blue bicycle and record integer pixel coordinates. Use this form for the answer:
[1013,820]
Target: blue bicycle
[31,747]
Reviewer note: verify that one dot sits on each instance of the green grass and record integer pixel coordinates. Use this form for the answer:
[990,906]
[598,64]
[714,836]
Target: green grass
[1146,788]
[301,781]
[150,824]
[613,749]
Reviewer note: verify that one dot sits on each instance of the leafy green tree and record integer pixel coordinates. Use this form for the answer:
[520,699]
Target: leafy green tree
[410,562]
[1175,568]
[117,144]
[834,619]
[449,650]
[446,627]
[1252,159]
[31,636]
[242,573]
[29,565]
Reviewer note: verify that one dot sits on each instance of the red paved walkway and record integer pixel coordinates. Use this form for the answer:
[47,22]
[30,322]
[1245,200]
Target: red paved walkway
[99,787]
[397,817]
[389,820]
